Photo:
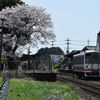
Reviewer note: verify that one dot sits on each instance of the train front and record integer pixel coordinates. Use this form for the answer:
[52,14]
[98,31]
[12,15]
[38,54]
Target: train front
[92,64]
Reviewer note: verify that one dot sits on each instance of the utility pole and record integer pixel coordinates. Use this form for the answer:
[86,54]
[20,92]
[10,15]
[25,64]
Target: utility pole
[67,51]
[52,56]
[52,44]
[88,42]
[28,51]
[28,58]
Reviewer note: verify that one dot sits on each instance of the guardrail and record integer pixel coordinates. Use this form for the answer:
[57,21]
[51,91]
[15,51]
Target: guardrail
[4,90]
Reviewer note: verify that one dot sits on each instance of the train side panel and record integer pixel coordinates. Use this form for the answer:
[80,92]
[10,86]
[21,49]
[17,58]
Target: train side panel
[87,64]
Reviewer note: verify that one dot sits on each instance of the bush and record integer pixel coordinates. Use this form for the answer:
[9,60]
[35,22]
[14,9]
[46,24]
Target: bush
[56,66]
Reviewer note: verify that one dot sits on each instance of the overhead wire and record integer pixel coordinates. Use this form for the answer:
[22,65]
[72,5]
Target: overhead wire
[73,43]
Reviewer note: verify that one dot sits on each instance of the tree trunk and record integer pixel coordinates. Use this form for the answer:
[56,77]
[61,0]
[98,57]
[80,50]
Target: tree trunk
[15,48]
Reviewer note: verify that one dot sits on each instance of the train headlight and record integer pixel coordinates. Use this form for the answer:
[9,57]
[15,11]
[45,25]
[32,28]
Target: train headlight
[88,66]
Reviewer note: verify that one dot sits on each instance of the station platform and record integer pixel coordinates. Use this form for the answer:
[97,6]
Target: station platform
[43,75]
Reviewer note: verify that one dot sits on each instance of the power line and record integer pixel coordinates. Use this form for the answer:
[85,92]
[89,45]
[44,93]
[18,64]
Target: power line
[70,43]
[74,40]
[79,44]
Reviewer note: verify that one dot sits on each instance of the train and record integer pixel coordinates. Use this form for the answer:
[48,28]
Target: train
[87,63]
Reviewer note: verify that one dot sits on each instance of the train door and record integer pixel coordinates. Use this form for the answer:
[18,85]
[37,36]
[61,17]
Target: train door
[88,65]
[96,65]
[88,61]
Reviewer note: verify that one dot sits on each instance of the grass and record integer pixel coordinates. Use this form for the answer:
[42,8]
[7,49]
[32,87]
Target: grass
[1,81]
[25,89]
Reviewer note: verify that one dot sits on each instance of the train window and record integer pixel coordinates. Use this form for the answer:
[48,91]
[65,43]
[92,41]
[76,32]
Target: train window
[88,58]
[99,57]
[82,59]
[75,61]
[95,58]
[78,60]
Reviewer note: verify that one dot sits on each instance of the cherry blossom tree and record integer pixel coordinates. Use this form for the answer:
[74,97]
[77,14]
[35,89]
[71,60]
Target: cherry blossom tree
[9,3]
[25,25]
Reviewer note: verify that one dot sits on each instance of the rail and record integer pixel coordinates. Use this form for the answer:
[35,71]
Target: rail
[88,87]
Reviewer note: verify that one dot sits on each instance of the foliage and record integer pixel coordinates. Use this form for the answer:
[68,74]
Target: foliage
[56,66]
[9,3]
[65,60]
[3,59]
[65,63]
[4,63]
[50,51]
[9,74]
[1,80]
[25,25]
[32,90]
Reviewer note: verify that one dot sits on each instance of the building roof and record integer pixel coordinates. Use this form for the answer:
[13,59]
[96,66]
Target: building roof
[26,56]
[70,55]
[89,48]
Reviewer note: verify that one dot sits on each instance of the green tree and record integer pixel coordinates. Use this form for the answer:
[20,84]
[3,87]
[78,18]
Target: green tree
[9,3]
[50,51]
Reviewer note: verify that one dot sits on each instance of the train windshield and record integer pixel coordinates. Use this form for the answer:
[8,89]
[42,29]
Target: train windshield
[92,58]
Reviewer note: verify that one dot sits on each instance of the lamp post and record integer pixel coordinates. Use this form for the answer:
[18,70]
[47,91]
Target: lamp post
[2,20]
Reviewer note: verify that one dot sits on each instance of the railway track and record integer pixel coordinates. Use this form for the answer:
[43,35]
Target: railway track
[92,88]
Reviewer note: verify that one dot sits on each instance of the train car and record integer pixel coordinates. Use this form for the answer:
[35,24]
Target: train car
[87,64]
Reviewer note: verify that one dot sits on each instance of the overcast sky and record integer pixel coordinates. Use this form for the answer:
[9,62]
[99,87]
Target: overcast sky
[77,20]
